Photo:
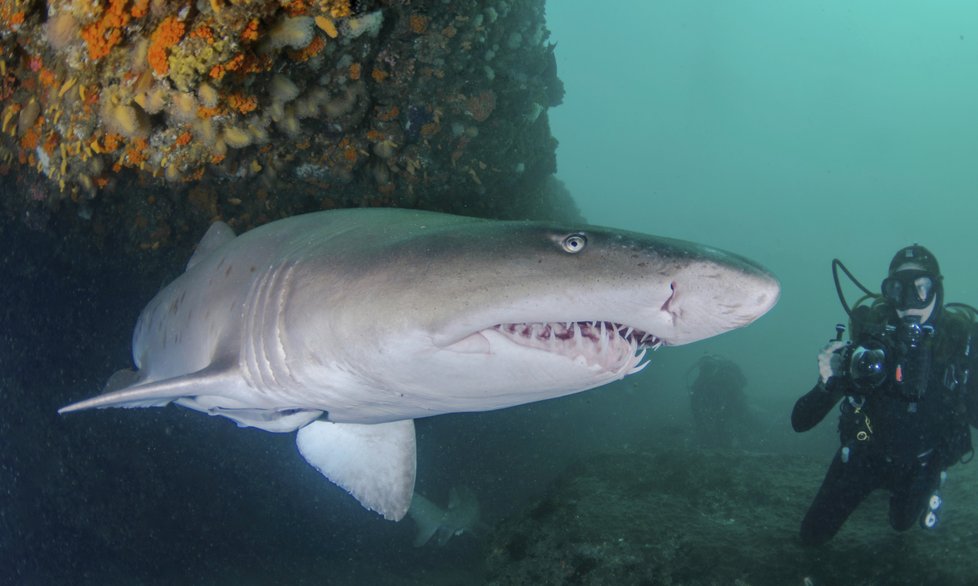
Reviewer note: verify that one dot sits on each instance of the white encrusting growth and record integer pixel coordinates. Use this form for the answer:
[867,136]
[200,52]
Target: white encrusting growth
[289,31]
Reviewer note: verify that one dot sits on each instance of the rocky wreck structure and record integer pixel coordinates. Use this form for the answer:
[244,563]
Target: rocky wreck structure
[154,117]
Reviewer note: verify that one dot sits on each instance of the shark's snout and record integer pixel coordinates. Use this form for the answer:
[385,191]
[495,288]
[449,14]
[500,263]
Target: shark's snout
[707,304]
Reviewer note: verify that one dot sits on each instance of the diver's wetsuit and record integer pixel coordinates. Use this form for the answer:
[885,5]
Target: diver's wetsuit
[888,441]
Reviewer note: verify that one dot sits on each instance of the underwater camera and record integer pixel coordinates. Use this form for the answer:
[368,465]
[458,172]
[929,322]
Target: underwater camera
[866,364]
[896,352]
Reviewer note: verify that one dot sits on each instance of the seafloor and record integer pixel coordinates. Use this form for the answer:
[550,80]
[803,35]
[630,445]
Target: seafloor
[688,517]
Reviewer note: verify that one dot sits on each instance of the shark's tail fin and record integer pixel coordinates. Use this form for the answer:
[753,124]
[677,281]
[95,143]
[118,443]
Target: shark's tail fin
[427,516]
[461,516]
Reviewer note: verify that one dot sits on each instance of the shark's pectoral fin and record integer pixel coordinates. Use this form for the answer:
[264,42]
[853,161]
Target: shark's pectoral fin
[126,389]
[376,463]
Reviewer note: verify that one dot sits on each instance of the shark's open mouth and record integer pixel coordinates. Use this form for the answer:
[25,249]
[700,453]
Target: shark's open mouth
[608,345]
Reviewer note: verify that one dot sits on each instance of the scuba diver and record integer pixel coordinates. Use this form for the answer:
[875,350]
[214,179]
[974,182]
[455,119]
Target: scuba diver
[906,398]
[717,400]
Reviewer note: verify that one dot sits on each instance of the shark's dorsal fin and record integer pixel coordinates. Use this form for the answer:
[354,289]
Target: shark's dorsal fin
[375,462]
[216,236]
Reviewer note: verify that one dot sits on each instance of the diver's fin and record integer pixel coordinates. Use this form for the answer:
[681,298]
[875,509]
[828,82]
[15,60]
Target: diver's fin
[216,236]
[206,381]
[376,463]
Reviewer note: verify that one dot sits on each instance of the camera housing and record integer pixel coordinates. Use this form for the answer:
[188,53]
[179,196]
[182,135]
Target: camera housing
[866,364]
[895,352]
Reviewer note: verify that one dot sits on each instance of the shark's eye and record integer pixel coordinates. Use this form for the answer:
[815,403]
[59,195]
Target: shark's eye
[574,243]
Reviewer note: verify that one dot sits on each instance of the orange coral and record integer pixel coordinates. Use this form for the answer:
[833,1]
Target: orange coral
[232,64]
[354,71]
[242,103]
[51,142]
[106,32]
[139,8]
[310,50]
[167,34]
[111,142]
[349,151]
[418,23]
[250,32]
[203,32]
[183,139]
[46,77]
[136,153]
[256,64]
[337,8]
[296,7]
[29,141]
[205,112]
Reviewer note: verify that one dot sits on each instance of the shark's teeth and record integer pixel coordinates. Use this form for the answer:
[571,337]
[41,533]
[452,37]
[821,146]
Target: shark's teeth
[610,345]
[641,365]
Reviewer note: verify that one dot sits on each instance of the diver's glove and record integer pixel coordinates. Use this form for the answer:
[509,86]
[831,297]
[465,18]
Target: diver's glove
[830,361]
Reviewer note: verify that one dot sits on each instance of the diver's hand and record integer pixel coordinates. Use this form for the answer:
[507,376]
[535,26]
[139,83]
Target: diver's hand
[830,360]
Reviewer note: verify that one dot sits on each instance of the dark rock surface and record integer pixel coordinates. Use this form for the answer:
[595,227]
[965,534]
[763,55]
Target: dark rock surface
[689,517]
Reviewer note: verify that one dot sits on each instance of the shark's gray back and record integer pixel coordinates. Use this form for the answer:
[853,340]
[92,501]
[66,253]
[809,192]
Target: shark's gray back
[196,320]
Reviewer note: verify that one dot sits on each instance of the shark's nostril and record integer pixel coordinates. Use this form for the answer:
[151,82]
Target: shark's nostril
[668,303]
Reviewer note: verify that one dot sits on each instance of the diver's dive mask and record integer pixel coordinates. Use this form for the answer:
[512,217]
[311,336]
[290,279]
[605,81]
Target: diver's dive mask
[910,289]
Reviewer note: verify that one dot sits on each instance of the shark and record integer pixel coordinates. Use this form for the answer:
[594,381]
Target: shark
[347,325]
[461,516]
